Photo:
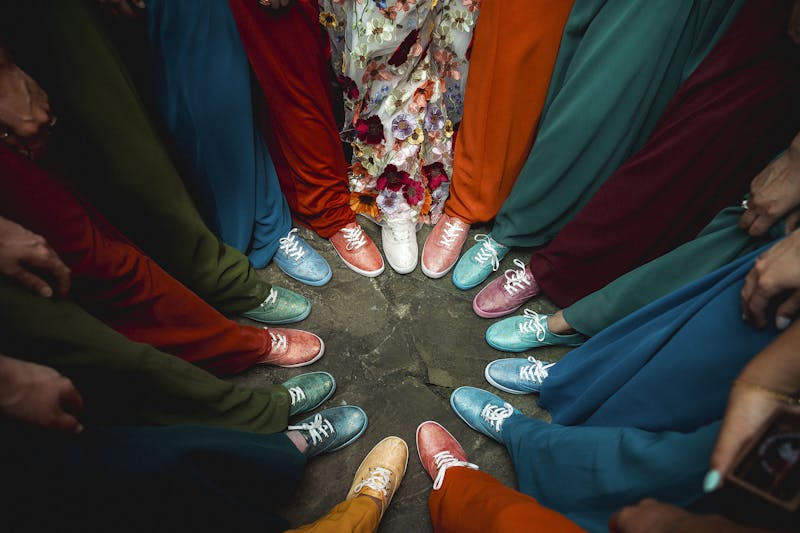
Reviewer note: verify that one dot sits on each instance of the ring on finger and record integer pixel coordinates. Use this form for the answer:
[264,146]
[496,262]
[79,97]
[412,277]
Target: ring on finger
[265,3]
[745,204]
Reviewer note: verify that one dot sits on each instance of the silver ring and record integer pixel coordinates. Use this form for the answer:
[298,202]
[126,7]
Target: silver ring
[745,204]
[5,135]
[53,121]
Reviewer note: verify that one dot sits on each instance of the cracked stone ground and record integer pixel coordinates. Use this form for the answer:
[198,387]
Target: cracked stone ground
[397,346]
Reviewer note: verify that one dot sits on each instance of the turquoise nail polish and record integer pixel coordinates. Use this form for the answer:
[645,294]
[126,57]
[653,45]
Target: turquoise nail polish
[711,481]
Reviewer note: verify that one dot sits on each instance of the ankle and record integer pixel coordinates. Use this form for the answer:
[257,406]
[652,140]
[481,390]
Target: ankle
[298,440]
[557,324]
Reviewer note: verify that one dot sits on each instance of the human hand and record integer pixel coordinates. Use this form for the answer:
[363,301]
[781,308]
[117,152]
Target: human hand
[775,272]
[774,192]
[25,118]
[650,516]
[124,8]
[38,395]
[21,250]
[274,4]
[794,23]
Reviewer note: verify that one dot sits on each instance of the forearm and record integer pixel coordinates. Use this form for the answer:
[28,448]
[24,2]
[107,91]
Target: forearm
[777,367]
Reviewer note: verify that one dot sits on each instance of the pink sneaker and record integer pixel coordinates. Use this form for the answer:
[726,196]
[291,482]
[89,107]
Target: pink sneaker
[292,348]
[357,250]
[443,246]
[438,450]
[507,293]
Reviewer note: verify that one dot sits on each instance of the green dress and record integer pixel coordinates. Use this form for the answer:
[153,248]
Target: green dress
[618,66]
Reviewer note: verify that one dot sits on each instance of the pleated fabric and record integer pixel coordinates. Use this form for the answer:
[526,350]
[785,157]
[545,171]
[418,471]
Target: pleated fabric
[513,53]
[718,132]
[618,66]
[287,52]
[118,159]
[116,282]
[202,85]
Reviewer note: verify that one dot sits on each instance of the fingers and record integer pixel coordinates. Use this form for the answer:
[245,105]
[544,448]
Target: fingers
[33,282]
[47,259]
[792,222]
[787,311]
[67,423]
[70,398]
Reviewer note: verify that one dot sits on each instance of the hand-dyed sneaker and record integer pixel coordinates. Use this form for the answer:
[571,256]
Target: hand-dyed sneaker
[443,246]
[381,472]
[300,261]
[482,411]
[357,250]
[400,247]
[281,306]
[517,376]
[478,262]
[309,391]
[521,333]
[507,293]
[438,450]
[332,429]
[292,348]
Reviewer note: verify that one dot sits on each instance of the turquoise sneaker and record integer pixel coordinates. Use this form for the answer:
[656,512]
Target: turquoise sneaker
[298,260]
[332,429]
[309,391]
[281,306]
[478,262]
[517,376]
[521,333]
[482,411]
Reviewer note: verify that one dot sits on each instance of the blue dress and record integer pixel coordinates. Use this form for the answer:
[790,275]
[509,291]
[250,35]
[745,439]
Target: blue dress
[203,89]
[636,409]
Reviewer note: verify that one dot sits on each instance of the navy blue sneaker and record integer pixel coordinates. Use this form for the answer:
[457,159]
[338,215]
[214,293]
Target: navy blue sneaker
[300,261]
[332,429]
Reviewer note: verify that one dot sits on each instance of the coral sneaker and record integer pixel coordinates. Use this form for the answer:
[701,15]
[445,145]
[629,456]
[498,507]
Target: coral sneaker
[400,245]
[381,471]
[357,250]
[443,246]
[292,348]
[438,450]
[507,293]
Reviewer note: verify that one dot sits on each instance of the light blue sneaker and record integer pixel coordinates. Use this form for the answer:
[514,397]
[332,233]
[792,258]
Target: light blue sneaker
[521,333]
[482,411]
[478,262]
[332,429]
[517,376]
[300,261]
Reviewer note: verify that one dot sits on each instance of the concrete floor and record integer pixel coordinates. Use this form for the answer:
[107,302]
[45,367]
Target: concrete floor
[397,346]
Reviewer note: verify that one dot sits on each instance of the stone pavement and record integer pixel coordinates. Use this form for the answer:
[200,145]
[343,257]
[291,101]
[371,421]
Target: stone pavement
[397,346]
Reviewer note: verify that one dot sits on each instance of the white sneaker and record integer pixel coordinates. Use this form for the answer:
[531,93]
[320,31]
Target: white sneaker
[400,244]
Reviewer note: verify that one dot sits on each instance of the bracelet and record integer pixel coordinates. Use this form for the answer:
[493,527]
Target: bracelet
[785,398]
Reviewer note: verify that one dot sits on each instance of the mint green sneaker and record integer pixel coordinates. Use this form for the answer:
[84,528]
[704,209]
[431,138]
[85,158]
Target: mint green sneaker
[527,331]
[281,306]
[478,262]
[309,391]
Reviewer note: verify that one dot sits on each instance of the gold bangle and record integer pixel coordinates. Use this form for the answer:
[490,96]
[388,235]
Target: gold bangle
[785,398]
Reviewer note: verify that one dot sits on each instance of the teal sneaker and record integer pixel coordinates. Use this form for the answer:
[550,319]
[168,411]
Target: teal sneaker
[309,391]
[332,429]
[482,411]
[521,333]
[517,376]
[281,306]
[298,260]
[478,262]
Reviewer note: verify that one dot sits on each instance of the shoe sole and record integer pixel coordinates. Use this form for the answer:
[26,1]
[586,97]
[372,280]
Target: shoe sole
[365,273]
[306,363]
[468,287]
[293,320]
[487,314]
[397,484]
[355,437]
[502,388]
[435,275]
[323,400]
[402,270]
[309,282]
[513,350]
[479,430]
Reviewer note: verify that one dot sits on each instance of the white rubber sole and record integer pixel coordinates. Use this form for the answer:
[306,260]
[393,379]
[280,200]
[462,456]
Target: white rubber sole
[365,273]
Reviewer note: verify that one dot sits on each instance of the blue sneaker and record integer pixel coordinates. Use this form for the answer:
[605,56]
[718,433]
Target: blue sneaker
[300,261]
[521,333]
[482,411]
[332,429]
[478,262]
[517,376]
[309,391]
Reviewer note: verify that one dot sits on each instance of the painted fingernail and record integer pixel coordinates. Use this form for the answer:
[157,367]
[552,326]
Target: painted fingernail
[47,292]
[744,316]
[711,481]
[782,322]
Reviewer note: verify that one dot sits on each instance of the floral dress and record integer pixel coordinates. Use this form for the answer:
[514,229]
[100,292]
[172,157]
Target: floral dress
[402,67]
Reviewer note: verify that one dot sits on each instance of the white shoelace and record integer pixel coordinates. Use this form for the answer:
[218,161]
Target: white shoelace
[296,394]
[291,245]
[355,238]
[487,252]
[319,429]
[401,233]
[278,341]
[271,298]
[378,480]
[536,372]
[452,230]
[496,415]
[516,280]
[534,325]
[443,461]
